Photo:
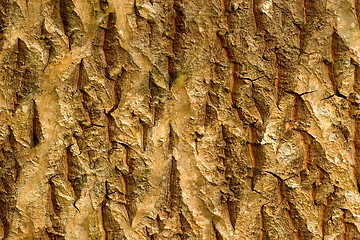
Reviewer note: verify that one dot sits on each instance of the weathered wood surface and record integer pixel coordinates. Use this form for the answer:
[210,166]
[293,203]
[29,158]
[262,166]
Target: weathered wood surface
[179,119]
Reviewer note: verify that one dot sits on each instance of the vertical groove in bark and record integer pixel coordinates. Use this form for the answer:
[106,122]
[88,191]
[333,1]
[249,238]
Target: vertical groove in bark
[9,175]
[357,10]
[49,45]
[174,195]
[73,27]
[278,78]
[262,224]
[255,11]
[280,190]
[330,65]
[179,30]
[144,130]
[232,212]
[217,233]
[346,228]
[307,7]
[54,203]
[307,149]
[130,195]
[324,215]
[353,110]
[355,146]
[231,164]
[4,20]
[112,49]
[103,216]
[291,216]
[75,176]
[37,135]
[295,109]
[252,156]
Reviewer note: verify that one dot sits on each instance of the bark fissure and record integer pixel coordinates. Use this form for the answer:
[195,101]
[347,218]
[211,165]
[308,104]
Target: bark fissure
[232,212]
[278,79]
[73,26]
[177,38]
[8,176]
[37,135]
[55,206]
[254,160]
[291,218]
[217,233]
[262,224]
[357,10]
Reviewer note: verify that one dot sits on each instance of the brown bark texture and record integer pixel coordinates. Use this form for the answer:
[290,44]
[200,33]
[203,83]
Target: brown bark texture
[179,119]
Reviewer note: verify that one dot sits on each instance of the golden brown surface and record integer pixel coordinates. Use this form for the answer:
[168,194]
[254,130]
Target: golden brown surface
[179,119]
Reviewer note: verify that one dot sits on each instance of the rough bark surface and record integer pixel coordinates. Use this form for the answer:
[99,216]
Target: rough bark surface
[179,119]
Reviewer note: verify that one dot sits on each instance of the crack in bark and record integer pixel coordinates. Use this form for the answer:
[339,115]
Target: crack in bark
[210,114]
[75,176]
[173,196]
[171,141]
[103,216]
[291,213]
[253,157]
[357,10]
[232,212]
[262,224]
[323,214]
[8,176]
[81,77]
[90,104]
[116,56]
[292,222]
[55,205]
[158,97]
[198,138]
[278,79]
[306,7]
[18,73]
[73,26]
[228,54]
[295,109]
[330,66]
[255,12]
[49,45]
[179,29]
[110,206]
[216,232]
[307,149]
[354,108]
[145,132]
[37,135]
[185,227]
[346,235]
[5,13]
[280,191]
[356,154]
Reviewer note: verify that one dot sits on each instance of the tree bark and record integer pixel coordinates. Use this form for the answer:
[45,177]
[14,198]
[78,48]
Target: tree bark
[179,119]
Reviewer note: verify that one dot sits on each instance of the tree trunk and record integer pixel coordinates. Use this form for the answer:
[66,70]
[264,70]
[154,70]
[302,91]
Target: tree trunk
[179,119]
